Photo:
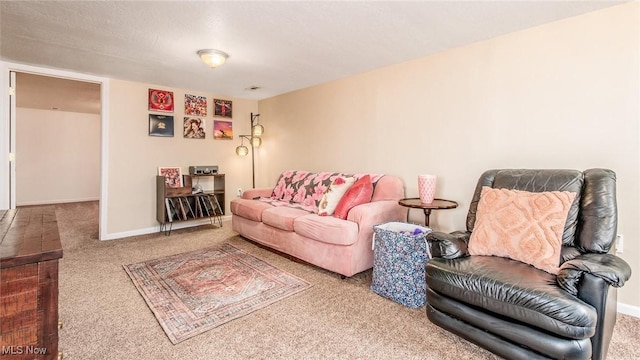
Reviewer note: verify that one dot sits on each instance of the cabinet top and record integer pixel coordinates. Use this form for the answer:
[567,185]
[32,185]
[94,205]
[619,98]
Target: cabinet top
[29,235]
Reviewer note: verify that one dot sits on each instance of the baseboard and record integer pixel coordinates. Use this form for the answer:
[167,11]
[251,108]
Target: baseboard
[629,310]
[53,202]
[155,229]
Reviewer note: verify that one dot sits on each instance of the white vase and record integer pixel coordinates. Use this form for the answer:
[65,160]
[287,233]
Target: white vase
[426,188]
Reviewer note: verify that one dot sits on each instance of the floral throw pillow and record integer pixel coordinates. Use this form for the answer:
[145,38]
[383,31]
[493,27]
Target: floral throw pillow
[334,193]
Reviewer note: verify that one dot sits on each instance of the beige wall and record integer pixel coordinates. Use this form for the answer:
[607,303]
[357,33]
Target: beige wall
[57,156]
[134,156]
[562,95]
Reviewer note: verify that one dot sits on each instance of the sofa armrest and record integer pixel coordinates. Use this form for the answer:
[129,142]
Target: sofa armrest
[257,193]
[448,246]
[376,212]
[610,268]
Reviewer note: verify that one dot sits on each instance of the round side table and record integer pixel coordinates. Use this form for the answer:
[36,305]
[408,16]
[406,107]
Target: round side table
[437,204]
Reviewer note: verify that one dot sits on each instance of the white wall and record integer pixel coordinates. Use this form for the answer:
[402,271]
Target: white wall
[57,157]
[561,95]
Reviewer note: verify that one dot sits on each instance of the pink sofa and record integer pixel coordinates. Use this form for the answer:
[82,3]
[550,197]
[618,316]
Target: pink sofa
[285,218]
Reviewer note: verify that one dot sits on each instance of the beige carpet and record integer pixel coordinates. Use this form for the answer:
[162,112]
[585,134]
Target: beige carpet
[106,318]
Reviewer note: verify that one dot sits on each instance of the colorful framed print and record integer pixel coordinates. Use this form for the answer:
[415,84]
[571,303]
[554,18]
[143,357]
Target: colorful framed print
[160,100]
[222,130]
[160,125]
[222,108]
[195,105]
[172,176]
[193,128]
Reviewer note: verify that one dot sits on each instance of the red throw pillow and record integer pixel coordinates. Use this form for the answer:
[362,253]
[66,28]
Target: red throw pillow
[359,193]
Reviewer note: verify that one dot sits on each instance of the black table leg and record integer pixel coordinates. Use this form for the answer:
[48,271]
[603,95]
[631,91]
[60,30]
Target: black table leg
[427,212]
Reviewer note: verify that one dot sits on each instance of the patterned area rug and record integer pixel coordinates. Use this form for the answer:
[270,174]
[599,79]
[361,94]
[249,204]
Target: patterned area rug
[196,291]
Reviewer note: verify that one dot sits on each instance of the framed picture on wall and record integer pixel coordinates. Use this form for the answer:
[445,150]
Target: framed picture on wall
[222,108]
[193,128]
[172,175]
[222,130]
[160,100]
[160,125]
[195,105]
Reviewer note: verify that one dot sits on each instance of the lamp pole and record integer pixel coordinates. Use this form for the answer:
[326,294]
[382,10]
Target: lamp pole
[254,138]
[253,162]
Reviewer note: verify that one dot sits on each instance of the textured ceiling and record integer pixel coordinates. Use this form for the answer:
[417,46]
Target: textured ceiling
[277,46]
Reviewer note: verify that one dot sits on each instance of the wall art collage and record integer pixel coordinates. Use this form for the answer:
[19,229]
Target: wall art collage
[195,112]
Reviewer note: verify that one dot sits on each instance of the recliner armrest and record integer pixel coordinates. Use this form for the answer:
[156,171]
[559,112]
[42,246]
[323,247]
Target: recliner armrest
[448,246]
[608,267]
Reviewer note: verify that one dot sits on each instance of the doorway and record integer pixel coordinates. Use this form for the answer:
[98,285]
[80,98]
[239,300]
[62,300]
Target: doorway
[57,140]
[7,150]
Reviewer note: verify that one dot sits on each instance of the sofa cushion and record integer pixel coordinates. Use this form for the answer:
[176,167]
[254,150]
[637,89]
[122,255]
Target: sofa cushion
[515,290]
[282,217]
[278,203]
[521,225]
[327,229]
[359,193]
[249,209]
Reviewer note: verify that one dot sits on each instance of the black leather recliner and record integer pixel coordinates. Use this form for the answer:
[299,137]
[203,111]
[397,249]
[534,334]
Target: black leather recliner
[517,311]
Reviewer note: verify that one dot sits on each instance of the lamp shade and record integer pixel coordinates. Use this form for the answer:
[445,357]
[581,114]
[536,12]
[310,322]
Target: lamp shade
[242,150]
[256,141]
[257,130]
[213,58]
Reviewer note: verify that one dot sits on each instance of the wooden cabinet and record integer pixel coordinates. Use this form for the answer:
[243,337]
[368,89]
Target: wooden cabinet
[180,204]
[29,252]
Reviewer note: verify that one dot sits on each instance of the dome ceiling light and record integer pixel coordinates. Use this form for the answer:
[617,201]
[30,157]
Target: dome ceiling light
[212,57]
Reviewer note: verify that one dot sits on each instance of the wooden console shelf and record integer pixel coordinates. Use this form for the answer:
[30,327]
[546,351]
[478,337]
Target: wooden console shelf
[179,204]
[29,252]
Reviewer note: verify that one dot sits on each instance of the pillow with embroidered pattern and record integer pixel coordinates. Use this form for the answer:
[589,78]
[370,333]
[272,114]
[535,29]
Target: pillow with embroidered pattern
[521,225]
[333,194]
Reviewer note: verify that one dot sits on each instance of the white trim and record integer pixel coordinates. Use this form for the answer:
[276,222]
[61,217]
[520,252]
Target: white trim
[4,137]
[629,310]
[5,67]
[53,202]
[12,142]
[104,160]
[155,229]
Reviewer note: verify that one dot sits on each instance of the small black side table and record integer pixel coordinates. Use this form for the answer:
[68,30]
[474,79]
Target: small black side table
[437,204]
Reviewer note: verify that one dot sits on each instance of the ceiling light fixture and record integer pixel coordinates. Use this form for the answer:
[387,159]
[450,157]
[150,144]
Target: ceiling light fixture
[213,58]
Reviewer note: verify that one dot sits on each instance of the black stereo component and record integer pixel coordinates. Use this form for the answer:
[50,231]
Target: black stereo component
[203,170]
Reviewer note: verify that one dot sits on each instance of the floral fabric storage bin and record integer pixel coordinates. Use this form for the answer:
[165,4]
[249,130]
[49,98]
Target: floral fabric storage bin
[400,255]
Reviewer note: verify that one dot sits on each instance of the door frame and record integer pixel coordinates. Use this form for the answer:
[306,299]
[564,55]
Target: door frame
[7,134]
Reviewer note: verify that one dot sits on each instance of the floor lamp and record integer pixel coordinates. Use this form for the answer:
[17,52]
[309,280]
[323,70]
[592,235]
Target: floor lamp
[255,141]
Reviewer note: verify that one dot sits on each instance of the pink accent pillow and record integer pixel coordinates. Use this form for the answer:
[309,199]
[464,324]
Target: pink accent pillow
[333,194]
[521,225]
[359,193]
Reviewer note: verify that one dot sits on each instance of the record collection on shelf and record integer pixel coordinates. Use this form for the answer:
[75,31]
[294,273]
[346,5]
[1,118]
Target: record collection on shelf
[181,202]
[192,207]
